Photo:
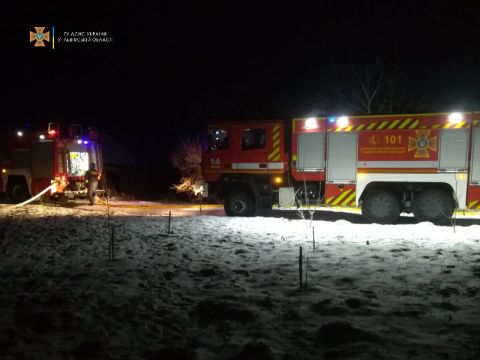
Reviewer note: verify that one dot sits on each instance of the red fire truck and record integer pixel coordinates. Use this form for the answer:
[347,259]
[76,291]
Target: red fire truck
[425,164]
[33,160]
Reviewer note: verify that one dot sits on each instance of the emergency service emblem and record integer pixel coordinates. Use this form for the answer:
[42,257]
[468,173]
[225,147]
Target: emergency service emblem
[39,36]
[422,144]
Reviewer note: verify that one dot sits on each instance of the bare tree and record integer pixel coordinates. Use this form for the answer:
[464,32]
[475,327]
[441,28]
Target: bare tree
[186,158]
[364,95]
[379,87]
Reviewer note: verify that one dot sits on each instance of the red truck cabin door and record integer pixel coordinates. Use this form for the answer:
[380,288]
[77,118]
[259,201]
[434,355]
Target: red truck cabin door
[252,148]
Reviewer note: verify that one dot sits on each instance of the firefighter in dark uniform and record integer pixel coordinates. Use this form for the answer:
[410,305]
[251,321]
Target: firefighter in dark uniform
[91,177]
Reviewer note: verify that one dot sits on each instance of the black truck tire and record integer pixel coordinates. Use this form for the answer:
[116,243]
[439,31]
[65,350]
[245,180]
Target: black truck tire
[381,206]
[433,205]
[239,204]
[18,192]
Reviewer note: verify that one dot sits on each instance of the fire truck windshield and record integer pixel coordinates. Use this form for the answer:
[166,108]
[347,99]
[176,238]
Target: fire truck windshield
[217,139]
[78,163]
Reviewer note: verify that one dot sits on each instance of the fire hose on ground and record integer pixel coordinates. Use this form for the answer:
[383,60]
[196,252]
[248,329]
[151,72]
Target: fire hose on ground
[33,198]
[104,201]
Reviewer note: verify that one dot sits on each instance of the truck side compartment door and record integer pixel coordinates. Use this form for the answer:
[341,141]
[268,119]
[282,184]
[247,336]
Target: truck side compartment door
[43,156]
[341,157]
[475,160]
[453,149]
[311,151]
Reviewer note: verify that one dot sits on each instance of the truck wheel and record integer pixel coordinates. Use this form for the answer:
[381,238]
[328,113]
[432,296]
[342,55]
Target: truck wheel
[239,204]
[381,206]
[18,193]
[433,205]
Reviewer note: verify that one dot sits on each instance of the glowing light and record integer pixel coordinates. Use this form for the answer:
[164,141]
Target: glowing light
[342,121]
[52,132]
[79,142]
[460,176]
[85,142]
[455,118]
[311,123]
[42,137]
[361,176]
[19,133]
[278,180]
[4,171]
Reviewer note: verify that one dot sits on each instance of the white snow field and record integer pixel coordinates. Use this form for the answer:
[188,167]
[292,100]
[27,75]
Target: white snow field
[228,288]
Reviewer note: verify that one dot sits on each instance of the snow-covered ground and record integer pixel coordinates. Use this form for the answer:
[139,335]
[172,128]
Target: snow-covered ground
[228,288]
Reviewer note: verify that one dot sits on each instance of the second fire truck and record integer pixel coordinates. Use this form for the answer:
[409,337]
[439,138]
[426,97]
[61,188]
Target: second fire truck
[32,160]
[425,164]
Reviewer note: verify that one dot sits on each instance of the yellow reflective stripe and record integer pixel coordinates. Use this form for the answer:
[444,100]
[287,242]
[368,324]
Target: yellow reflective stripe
[360,127]
[276,158]
[447,126]
[338,199]
[339,129]
[349,128]
[393,124]
[382,125]
[349,199]
[371,126]
[329,199]
[405,123]
[273,153]
[472,204]
[460,124]
[475,122]
[413,125]
[436,126]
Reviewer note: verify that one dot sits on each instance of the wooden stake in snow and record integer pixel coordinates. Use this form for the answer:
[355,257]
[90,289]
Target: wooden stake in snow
[313,231]
[300,267]
[111,245]
[169,222]
[306,272]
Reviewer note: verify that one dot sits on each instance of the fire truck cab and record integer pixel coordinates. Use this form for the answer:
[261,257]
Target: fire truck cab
[245,163]
[32,160]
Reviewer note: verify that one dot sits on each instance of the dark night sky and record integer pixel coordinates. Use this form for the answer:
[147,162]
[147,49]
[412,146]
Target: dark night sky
[172,69]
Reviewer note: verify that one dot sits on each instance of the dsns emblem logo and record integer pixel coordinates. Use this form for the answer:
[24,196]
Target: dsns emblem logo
[39,36]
